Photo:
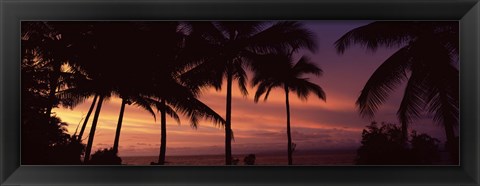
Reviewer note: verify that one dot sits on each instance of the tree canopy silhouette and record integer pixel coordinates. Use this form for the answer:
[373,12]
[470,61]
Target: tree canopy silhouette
[427,61]
[222,49]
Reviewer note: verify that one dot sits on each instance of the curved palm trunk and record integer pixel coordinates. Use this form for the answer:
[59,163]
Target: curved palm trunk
[290,159]
[163,140]
[228,126]
[92,130]
[119,126]
[90,110]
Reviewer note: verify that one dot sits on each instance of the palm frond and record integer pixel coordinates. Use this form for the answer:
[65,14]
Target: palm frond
[172,113]
[72,97]
[433,60]
[305,66]
[145,103]
[194,109]
[283,35]
[285,74]
[383,81]
[241,76]
[303,88]
[264,87]
[413,101]
[208,73]
[443,100]
[206,30]
[379,33]
[240,29]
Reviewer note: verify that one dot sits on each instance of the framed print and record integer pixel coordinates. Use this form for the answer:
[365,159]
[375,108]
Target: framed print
[239,93]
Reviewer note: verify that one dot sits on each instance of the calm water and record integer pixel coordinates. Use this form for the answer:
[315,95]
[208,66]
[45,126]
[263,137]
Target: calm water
[317,158]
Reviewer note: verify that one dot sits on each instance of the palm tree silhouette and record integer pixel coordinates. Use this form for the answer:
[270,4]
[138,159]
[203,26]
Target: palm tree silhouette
[222,49]
[71,44]
[427,60]
[87,117]
[289,77]
[98,56]
[180,100]
[139,101]
[154,81]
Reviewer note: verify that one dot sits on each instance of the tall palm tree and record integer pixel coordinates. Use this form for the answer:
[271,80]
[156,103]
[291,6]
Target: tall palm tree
[90,110]
[223,49]
[280,71]
[177,100]
[427,60]
[170,95]
[154,82]
[98,54]
[137,100]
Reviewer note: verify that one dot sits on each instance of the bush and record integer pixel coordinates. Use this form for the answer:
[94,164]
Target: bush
[382,145]
[45,141]
[249,159]
[105,157]
[424,149]
[69,153]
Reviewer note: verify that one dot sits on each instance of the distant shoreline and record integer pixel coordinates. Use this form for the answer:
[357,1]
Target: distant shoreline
[306,158]
[312,152]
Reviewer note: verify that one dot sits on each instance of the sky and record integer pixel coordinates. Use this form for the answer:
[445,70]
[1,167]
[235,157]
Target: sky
[261,127]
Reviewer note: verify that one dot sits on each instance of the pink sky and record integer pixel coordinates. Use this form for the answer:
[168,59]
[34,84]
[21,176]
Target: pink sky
[261,127]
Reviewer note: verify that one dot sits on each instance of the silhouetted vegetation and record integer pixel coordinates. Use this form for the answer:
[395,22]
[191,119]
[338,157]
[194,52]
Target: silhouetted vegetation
[289,76]
[249,159]
[225,48]
[45,139]
[65,63]
[163,68]
[427,60]
[105,157]
[383,145]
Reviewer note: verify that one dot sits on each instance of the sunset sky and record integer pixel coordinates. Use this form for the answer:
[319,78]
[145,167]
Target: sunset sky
[261,127]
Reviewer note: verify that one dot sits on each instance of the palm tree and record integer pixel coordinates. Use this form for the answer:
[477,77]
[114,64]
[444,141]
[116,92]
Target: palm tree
[223,49]
[98,54]
[137,100]
[154,81]
[169,67]
[280,71]
[67,45]
[90,110]
[427,61]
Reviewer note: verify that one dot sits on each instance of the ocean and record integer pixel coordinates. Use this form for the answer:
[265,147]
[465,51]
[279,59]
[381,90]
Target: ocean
[314,158]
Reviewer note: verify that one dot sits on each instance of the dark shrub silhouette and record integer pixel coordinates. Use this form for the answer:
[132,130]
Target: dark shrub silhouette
[45,141]
[235,161]
[69,153]
[249,159]
[105,157]
[383,145]
[424,149]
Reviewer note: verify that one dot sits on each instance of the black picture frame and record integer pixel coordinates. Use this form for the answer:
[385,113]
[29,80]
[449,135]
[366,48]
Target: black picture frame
[14,11]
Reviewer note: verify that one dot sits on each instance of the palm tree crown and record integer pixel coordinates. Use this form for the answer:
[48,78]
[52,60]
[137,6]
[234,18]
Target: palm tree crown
[427,60]
[223,49]
[278,70]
